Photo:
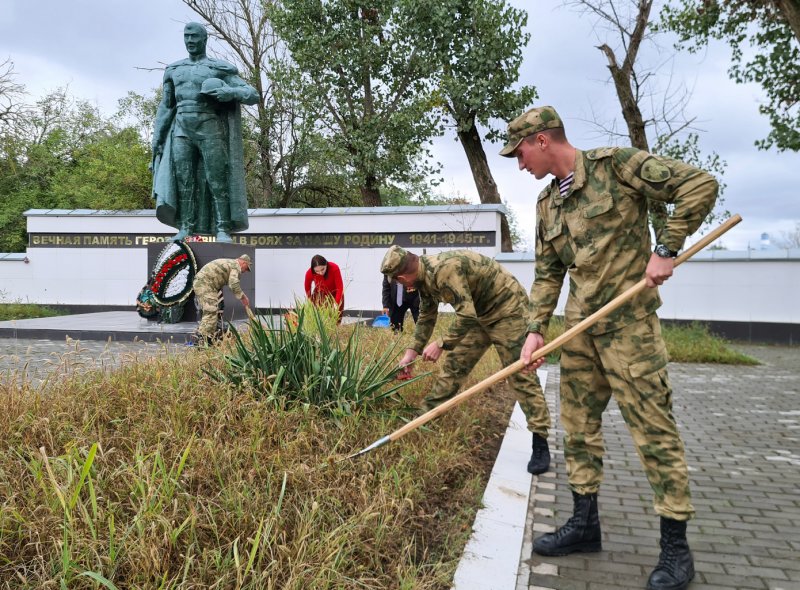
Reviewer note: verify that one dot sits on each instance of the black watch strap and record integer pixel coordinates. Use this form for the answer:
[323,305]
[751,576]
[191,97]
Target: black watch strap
[664,252]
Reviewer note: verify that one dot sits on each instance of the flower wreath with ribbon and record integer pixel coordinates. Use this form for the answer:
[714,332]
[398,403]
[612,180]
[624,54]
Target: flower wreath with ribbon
[173,275]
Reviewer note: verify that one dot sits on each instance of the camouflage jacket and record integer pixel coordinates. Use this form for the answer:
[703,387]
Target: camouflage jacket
[218,273]
[479,289]
[599,232]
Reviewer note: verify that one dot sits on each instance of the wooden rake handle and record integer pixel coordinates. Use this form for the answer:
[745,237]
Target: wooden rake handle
[548,348]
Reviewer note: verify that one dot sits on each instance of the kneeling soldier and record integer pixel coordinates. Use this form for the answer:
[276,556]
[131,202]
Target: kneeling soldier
[491,308]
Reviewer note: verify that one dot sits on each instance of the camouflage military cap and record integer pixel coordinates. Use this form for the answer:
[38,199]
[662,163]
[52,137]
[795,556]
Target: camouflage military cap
[247,259]
[533,121]
[393,261]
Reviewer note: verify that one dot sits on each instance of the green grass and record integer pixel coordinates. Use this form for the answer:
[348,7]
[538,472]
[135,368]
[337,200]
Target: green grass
[694,343]
[691,343]
[22,311]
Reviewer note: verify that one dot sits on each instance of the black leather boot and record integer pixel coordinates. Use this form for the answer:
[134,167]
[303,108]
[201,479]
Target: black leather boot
[581,533]
[675,567]
[540,456]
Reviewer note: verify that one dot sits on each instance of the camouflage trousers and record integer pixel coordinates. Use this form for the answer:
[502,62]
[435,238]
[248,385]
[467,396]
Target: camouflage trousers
[508,335]
[629,364]
[208,302]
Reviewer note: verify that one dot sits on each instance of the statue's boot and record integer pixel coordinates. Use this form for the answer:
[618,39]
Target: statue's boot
[222,213]
[182,234]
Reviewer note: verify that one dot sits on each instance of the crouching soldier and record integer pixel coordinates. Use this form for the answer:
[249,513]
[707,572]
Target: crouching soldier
[208,283]
[491,308]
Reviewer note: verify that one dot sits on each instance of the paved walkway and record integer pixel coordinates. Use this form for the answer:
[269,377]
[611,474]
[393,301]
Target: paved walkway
[38,359]
[741,426]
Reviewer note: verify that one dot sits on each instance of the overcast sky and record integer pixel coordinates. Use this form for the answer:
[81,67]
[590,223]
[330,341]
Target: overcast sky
[102,49]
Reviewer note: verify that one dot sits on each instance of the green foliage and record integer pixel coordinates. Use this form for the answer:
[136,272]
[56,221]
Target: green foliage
[478,47]
[138,112]
[694,343]
[111,172]
[321,318]
[310,365]
[64,155]
[22,311]
[361,61]
[775,65]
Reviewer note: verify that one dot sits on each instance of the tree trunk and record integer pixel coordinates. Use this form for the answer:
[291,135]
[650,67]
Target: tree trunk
[370,193]
[621,75]
[484,182]
[791,12]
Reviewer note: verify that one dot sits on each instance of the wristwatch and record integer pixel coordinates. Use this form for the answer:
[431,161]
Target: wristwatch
[662,251]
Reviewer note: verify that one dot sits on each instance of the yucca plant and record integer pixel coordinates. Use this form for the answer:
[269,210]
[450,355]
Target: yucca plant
[312,363]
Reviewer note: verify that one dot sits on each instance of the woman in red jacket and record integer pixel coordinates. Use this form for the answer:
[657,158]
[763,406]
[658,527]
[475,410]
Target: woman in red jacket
[324,283]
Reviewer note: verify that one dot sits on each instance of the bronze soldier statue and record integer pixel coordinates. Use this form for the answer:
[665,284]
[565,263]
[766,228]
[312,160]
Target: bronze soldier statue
[198,163]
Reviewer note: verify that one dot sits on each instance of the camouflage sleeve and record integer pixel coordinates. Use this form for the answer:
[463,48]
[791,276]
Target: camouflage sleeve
[549,274]
[428,312]
[691,190]
[234,281]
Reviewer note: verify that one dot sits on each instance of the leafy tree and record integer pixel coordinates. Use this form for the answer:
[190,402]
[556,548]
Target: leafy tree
[138,112]
[110,172]
[63,154]
[361,62]
[478,50]
[772,28]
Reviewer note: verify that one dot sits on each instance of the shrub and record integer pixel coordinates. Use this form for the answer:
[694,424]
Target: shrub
[21,311]
[311,364]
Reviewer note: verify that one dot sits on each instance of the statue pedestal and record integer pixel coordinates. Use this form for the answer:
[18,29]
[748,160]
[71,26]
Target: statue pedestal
[205,252]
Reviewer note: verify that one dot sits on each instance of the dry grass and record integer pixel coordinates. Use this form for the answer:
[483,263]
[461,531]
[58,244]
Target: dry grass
[152,476]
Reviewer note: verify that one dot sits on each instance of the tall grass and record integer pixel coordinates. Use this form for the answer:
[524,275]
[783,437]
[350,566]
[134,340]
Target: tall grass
[157,476]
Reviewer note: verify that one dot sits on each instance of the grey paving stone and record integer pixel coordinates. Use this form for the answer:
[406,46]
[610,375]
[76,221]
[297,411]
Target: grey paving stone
[741,426]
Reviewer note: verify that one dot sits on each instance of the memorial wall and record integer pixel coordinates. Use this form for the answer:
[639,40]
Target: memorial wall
[98,259]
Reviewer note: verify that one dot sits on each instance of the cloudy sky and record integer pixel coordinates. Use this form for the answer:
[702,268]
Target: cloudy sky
[103,48]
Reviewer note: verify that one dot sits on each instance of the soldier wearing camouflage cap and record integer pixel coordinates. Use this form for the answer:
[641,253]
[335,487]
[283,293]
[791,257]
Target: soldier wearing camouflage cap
[592,224]
[208,284]
[491,309]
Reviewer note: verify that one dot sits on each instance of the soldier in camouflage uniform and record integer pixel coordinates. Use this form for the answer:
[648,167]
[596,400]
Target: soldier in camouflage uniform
[207,286]
[596,229]
[491,308]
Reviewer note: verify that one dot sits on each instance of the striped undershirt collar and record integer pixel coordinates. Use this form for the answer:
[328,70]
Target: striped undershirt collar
[565,183]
